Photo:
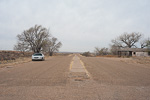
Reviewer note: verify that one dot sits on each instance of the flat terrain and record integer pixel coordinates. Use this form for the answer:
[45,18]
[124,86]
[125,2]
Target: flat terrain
[116,72]
[76,78]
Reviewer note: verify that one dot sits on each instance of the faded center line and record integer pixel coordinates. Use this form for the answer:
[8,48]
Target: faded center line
[77,69]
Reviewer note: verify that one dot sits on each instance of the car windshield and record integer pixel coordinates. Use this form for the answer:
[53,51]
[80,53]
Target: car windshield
[37,54]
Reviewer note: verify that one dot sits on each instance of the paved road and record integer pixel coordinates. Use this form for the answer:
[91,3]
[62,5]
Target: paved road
[119,80]
[34,80]
[116,72]
[75,78]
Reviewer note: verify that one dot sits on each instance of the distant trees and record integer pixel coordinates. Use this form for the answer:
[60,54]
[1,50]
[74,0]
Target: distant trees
[145,43]
[53,45]
[114,49]
[21,46]
[127,40]
[35,39]
[87,54]
[101,51]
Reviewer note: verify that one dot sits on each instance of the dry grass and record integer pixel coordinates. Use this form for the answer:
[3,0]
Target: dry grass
[142,60]
[14,62]
[61,54]
[137,60]
[107,56]
[17,61]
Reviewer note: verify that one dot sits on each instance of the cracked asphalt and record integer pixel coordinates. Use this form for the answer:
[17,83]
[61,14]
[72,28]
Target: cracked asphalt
[75,78]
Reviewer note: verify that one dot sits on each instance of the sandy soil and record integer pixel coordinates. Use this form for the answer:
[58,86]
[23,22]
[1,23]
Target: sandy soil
[135,60]
[17,61]
[14,62]
[110,79]
[120,77]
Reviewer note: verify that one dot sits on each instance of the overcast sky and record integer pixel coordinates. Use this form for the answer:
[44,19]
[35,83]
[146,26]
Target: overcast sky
[80,25]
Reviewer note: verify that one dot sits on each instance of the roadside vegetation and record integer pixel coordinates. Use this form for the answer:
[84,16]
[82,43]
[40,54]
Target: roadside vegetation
[37,39]
[87,54]
[14,57]
[125,40]
[129,40]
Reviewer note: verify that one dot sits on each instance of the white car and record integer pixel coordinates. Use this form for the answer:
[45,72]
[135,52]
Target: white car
[38,56]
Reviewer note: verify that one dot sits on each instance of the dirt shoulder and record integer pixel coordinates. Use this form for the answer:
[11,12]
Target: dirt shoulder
[110,79]
[14,62]
[52,71]
[21,60]
[131,60]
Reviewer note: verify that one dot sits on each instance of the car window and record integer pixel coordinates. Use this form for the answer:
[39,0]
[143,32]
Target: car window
[37,54]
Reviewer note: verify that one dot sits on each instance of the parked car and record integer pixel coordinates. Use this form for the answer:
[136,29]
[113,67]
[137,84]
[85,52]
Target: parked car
[38,56]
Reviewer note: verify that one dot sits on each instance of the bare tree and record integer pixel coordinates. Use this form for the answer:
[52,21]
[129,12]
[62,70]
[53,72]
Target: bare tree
[101,51]
[117,43]
[21,47]
[145,43]
[53,46]
[34,38]
[114,49]
[87,54]
[127,40]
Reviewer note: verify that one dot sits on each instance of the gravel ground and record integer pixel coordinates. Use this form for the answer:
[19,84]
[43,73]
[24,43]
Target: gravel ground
[49,80]
[110,71]
[117,79]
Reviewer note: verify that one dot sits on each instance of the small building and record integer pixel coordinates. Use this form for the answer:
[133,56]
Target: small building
[134,52]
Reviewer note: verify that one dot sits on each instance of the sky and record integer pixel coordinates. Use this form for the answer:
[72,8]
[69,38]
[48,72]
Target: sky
[81,25]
